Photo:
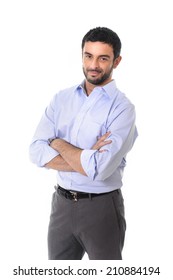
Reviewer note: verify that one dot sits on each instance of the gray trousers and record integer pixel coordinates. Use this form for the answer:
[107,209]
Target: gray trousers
[92,225]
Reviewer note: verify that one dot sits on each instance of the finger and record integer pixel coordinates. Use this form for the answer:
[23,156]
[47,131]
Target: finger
[103,143]
[106,135]
[101,151]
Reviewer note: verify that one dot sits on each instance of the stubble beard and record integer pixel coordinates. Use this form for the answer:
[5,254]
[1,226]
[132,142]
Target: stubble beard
[97,81]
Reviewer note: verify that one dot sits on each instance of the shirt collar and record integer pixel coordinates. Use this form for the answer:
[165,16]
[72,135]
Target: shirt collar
[79,87]
[108,89]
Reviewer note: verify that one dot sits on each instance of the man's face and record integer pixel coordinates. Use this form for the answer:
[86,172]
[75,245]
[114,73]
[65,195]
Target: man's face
[98,62]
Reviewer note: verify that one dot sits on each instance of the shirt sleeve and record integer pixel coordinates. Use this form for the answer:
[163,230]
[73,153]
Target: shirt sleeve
[40,152]
[99,166]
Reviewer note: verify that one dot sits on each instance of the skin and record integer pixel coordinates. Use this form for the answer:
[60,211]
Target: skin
[98,61]
[98,65]
[69,158]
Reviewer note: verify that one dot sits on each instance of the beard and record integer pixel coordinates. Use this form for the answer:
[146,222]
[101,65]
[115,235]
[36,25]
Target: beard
[100,80]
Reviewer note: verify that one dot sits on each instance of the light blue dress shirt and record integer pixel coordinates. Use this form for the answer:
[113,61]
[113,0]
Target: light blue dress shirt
[80,120]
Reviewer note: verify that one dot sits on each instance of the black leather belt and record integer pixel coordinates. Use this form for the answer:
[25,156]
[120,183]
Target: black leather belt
[73,195]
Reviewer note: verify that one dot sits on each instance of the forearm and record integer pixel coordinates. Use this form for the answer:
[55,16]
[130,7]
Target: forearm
[58,163]
[69,153]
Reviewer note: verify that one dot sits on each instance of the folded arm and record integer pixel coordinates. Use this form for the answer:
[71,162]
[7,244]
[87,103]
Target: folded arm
[58,163]
[100,166]
[96,162]
[70,156]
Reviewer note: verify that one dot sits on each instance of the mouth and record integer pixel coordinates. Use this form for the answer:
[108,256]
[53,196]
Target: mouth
[94,73]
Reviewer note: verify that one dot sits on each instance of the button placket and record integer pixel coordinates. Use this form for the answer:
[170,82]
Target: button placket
[89,103]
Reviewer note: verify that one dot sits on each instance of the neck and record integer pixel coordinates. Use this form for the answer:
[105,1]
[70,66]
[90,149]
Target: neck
[89,87]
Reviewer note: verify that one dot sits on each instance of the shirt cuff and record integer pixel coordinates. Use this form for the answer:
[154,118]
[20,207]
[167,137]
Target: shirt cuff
[89,163]
[42,154]
[49,154]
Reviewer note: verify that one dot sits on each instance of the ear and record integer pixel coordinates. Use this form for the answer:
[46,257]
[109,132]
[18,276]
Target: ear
[117,61]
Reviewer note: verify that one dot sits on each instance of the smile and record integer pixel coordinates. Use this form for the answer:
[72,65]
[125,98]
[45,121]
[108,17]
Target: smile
[94,72]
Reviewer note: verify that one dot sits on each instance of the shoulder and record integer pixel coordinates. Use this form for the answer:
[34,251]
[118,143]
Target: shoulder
[64,94]
[121,101]
[116,96]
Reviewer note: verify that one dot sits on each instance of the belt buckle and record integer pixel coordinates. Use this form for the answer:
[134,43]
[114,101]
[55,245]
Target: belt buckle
[74,194]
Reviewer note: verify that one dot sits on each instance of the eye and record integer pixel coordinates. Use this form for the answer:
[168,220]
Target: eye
[88,56]
[104,58]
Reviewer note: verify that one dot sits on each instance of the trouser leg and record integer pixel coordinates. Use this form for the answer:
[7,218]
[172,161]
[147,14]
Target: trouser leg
[62,244]
[104,229]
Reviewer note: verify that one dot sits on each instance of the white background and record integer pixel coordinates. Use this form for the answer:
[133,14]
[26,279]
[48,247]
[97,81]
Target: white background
[40,54]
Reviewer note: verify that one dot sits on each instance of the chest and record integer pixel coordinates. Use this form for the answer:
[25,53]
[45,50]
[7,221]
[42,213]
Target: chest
[81,121]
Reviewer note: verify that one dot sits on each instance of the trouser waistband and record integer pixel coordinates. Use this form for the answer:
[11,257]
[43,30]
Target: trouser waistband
[74,195]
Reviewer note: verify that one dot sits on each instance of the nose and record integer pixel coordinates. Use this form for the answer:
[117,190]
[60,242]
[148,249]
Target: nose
[94,64]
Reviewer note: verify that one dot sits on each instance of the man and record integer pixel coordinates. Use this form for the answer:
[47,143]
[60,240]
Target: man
[85,134]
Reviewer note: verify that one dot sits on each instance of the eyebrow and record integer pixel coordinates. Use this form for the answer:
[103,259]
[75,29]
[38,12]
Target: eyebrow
[102,55]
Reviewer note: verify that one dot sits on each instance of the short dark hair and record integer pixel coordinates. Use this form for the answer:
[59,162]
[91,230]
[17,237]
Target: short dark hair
[105,35]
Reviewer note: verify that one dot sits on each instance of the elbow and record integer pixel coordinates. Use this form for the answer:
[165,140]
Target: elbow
[34,159]
[32,154]
[41,153]
[99,175]
[35,156]
[102,172]
[99,166]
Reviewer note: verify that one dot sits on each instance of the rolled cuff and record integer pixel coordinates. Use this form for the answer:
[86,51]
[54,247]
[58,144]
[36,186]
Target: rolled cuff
[89,163]
[42,154]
